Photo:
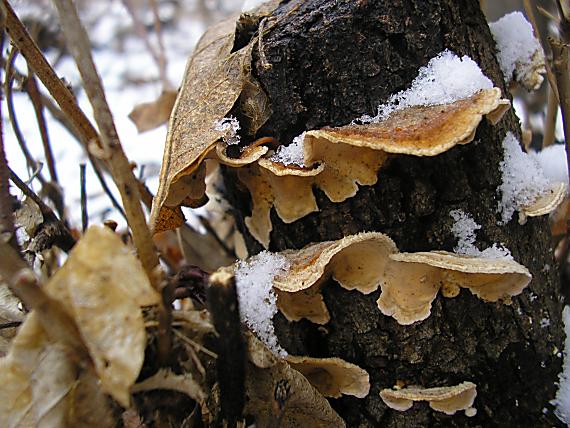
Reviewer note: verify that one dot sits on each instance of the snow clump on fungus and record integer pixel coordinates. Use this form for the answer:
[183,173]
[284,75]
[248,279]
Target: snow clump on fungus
[291,154]
[444,80]
[524,186]
[464,230]
[519,53]
[257,301]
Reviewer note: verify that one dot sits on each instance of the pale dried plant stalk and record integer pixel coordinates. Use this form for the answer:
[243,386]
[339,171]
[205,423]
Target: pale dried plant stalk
[80,47]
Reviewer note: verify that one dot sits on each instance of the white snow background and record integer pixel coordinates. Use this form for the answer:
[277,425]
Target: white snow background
[121,58]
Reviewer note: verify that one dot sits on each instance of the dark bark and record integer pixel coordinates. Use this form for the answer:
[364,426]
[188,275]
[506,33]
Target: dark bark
[332,61]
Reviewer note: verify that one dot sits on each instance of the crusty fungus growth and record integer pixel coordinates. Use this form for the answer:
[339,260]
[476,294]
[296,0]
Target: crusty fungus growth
[332,377]
[447,399]
[356,262]
[412,281]
[291,187]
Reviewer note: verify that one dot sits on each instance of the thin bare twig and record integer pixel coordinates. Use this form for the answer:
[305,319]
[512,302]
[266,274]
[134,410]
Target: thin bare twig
[9,80]
[560,67]
[157,55]
[162,60]
[80,47]
[59,232]
[41,68]
[34,94]
[529,9]
[550,120]
[6,201]
[84,214]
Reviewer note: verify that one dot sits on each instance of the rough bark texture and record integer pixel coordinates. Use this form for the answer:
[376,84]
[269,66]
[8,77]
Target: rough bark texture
[332,61]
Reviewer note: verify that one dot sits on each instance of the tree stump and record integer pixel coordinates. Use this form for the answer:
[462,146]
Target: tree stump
[327,62]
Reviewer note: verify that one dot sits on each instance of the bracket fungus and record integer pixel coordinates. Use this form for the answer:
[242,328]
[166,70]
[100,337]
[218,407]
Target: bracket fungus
[545,203]
[356,262]
[287,187]
[412,281]
[446,399]
[332,377]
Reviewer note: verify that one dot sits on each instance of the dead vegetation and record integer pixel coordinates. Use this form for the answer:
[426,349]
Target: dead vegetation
[105,327]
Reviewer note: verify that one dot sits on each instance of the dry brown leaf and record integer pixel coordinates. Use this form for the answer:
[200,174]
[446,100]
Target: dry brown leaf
[15,372]
[281,396]
[212,83]
[103,284]
[202,250]
[91,407]
[166,379]
[147,116]
[9,312]
[51,381]
[28,216]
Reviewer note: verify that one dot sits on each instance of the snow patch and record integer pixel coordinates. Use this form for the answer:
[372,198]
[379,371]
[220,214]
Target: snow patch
[229,125]
[257,301]
[464,229]
[445,79]
[291,154]
[562,399]
[523,179]
[552,160]
[516,43]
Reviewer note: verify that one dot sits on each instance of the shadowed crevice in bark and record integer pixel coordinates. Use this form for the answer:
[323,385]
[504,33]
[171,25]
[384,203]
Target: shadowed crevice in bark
[332,61]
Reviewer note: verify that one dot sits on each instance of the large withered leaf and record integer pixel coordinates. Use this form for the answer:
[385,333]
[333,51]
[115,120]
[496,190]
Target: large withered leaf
[212,83]
[15,371]
[52,381]
[44,386]
[281,396]
[103,284]
[214,79]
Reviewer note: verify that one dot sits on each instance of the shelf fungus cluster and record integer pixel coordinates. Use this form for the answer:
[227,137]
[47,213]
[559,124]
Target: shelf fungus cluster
[409,282]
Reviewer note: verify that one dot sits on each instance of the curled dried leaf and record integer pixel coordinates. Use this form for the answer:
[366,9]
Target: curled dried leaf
[281,396]
[214,79]
[332,377]
[147,116]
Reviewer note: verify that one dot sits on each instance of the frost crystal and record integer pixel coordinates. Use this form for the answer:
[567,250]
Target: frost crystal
[562,399]
[291,154]
[229,125]
[445,79]
[516,44]
[257,301]
[523,179]
[464,230]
